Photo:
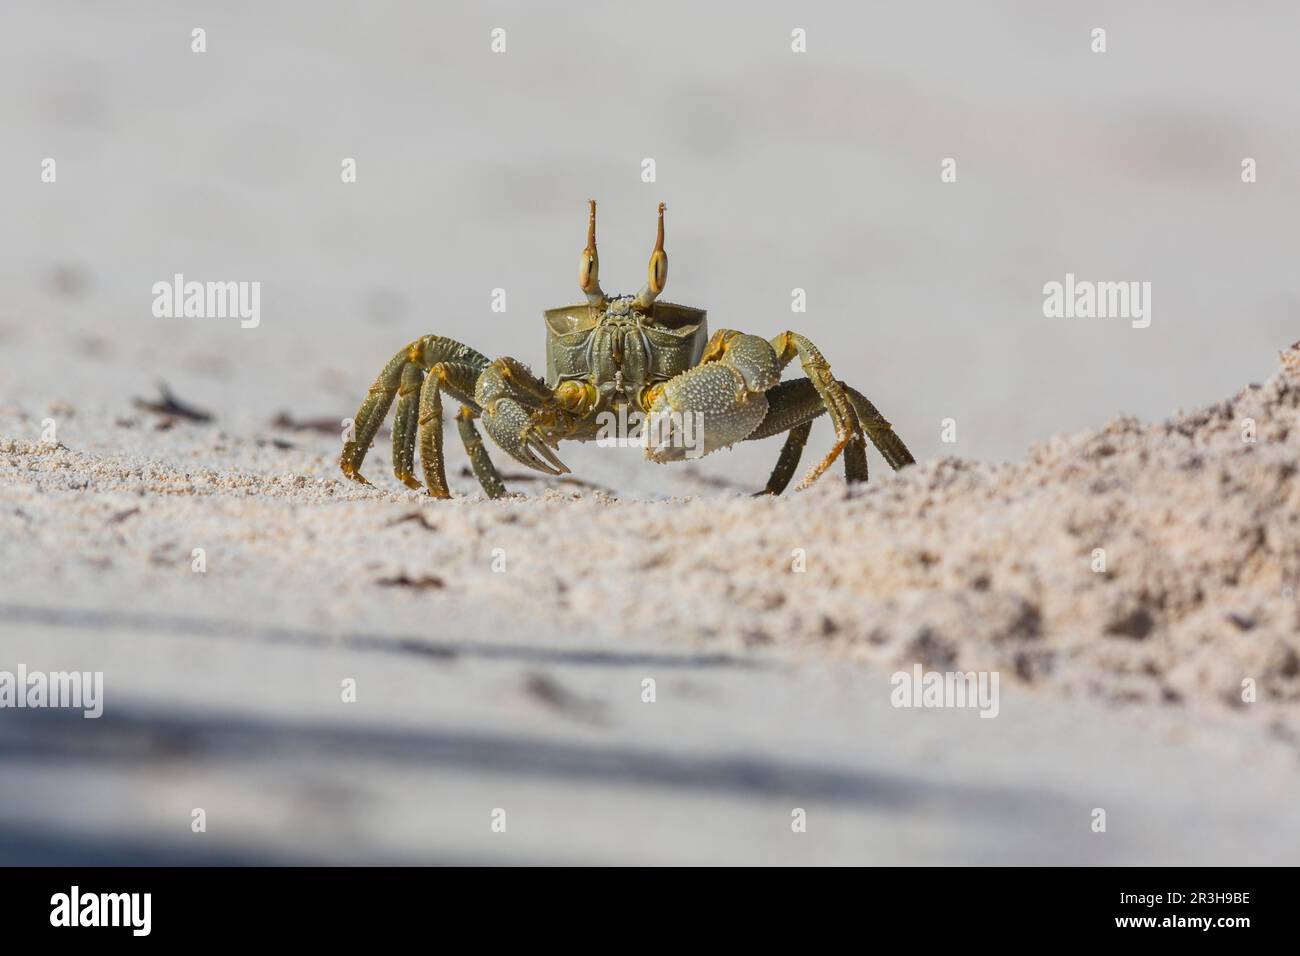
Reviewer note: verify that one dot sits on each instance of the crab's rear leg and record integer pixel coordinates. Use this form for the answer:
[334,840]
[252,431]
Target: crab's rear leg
[793,405]
[371,414]
[402,375]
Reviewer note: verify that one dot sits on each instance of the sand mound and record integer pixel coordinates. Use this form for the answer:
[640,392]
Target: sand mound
[1197,520]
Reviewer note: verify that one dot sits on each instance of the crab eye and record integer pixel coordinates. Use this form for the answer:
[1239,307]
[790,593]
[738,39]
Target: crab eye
[588,269]
[658,271]
[589,264]
[659,259]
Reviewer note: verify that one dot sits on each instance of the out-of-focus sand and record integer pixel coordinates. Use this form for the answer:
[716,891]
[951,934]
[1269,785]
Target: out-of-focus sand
[522,689]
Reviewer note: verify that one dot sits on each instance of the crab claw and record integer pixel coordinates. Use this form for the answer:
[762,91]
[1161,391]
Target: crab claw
[703,409]
[663,436]
[537,445]
[521,437]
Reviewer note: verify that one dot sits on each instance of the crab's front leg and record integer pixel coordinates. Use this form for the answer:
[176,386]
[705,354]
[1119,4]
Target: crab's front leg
[528,418]
[725,394]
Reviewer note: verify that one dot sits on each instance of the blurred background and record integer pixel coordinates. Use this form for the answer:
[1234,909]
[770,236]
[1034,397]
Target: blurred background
[817,171]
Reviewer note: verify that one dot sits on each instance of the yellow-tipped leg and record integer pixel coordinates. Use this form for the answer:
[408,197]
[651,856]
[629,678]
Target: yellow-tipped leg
[787,346]
[370,416]
[879,430]
[430,423]
[818,469]
[484,470]
[405,423]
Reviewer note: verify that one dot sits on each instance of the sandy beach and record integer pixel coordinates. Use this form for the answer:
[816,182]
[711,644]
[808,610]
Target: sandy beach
[488,674]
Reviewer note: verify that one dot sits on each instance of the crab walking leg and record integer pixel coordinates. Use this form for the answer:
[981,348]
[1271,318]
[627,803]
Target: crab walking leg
[435,471]
[405,420]
[879,430]
[855,460]
[371,414]
[793,405]
[786,464]
[456,379]
[797,401]
[789,404]
[479,460]
[424,352]
[787,346]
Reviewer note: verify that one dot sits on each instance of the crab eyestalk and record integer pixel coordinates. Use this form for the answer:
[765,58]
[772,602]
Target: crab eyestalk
[658,271]
[589,265]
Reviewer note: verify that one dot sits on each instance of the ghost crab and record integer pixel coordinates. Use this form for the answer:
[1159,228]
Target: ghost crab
[605,355]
